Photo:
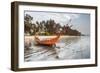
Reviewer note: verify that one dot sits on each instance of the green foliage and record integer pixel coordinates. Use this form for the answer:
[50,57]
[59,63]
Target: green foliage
[49,27]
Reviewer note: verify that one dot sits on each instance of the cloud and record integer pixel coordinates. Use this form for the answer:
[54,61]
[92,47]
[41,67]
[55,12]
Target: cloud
[62,18]
[80,21]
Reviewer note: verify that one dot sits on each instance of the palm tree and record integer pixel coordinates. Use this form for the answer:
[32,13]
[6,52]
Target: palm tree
[27,23]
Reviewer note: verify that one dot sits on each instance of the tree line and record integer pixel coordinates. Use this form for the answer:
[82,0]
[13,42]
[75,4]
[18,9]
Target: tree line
[48,27]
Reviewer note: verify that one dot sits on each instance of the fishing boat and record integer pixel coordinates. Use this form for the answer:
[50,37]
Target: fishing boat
[47,41]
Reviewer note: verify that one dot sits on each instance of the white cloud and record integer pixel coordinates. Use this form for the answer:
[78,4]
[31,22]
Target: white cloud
[61,18]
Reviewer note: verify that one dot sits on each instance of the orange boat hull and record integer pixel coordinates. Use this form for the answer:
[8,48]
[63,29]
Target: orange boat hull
[48,42]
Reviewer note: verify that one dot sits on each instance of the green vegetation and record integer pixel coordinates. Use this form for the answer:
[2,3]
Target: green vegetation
[50,27]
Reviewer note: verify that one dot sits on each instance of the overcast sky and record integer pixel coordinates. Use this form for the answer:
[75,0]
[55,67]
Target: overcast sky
[80,21]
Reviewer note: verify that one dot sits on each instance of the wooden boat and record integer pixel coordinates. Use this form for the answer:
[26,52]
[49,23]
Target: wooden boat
[49,41]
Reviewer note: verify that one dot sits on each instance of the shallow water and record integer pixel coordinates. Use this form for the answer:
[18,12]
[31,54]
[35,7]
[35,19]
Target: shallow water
[69,47]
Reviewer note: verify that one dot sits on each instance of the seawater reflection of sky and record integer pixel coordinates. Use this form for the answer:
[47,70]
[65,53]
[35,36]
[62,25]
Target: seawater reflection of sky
[68,47]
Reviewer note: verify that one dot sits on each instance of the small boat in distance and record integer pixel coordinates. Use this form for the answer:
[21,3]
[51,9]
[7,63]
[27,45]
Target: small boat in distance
[47,41]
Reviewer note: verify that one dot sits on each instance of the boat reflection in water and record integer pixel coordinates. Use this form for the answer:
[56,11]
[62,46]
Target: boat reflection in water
[67,47]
